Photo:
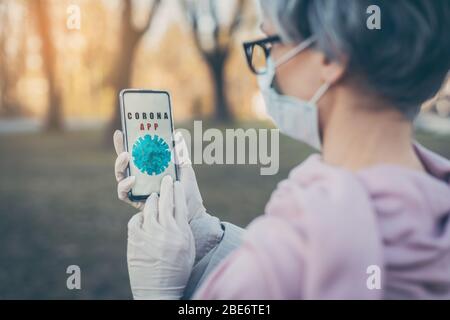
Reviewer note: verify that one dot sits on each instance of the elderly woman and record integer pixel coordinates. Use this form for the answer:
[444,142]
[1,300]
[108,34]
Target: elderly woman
[369,217]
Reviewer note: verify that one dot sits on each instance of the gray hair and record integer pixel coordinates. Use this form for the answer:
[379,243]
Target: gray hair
[405,62]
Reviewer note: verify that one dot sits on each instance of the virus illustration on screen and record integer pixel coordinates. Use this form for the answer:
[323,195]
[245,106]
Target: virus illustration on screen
[151,155]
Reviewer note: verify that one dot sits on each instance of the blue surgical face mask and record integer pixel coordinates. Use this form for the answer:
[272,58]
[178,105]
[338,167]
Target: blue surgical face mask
[295,118]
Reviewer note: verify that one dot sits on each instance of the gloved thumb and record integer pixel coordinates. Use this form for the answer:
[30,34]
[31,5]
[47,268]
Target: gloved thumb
[181,210]
[150,212]
[182,158]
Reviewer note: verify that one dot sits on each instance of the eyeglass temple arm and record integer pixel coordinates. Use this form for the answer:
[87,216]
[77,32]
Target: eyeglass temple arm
[289,55]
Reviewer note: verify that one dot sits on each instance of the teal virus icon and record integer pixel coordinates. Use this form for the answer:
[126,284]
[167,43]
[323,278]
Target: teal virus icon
[151,155]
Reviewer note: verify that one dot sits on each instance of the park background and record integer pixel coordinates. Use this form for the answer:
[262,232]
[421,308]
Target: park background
[59,80]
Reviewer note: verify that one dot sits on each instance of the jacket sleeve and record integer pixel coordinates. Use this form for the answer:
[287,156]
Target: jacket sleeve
[316,241]
[215,240]
[254,270]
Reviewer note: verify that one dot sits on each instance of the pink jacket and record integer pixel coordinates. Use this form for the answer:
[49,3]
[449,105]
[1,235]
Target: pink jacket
[326,230]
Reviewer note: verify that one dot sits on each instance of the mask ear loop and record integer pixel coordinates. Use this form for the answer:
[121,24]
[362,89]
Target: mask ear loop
[319,94]
[301,47]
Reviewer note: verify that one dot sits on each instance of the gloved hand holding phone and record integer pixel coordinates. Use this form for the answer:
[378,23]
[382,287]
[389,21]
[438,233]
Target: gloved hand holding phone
[161,249]
[186,175]
[205,229]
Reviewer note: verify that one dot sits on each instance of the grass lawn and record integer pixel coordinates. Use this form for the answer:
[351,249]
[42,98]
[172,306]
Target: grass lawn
[58,207]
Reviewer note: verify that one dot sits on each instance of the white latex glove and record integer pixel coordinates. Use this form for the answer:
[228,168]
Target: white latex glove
[186,175]
[161,248]
[188,179]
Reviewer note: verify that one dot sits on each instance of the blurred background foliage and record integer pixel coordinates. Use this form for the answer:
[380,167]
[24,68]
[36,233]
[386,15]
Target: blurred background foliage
[57,73]
[58,102]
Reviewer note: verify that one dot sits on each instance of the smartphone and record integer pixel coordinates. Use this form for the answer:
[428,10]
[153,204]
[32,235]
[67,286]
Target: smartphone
[147,125]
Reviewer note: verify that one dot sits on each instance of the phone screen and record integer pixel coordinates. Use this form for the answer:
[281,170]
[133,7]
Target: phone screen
[148,130]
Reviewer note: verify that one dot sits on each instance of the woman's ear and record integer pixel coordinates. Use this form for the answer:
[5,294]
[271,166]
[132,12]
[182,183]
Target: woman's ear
[332,70]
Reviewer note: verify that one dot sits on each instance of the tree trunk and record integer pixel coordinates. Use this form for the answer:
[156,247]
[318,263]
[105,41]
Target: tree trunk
[54,118]
[12,68]
[216,62]
[130,37]
[124,73]
[222,111]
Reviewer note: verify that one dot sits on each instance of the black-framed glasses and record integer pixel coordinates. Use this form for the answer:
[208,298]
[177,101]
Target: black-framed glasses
[257,52]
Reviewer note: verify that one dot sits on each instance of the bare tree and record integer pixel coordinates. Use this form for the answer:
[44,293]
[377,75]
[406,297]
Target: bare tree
[12,65]
[214,47]
[130,37]
[4,81]
[54,118]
